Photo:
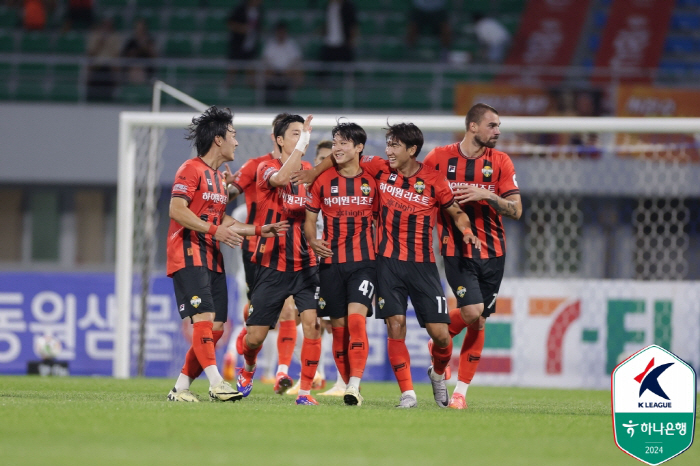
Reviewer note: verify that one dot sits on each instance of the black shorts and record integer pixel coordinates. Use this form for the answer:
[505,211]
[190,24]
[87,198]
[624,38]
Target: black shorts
[199,290]
[273,287]
[249,268]
[341,284]
[397,280]
[475,281]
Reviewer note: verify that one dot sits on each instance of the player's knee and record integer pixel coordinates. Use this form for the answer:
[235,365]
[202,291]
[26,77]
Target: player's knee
[471,313]
[395,330]
[218,326]
[442,341]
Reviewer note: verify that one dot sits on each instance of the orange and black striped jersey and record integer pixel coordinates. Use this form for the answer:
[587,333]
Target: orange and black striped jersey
[348,206]
[290,252]
[205,191]
[408,207]
[244,181]
[493,171]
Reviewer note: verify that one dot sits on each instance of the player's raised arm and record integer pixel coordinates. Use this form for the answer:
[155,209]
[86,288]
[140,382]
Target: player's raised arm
[284,175]
[462,221]
[309,176]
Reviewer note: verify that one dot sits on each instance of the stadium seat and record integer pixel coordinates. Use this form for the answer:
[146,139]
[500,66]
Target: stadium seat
[374,97]
[238,97]
[64,92]
[215,21]
[182,21]
[685,21]
[416,98]
[35,42]
[178,47]
[151,3]
[210,94]
[9,18]
[6,43]
[478,6]
[214,47]
[135,93]
[228,4]
[114,3]
[71,43]
[315,97]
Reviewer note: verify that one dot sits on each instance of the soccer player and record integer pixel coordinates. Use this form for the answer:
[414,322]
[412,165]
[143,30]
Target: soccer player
[410,195]
[346,195]
[484,183]
[245,181]
[286,265]
[194,261]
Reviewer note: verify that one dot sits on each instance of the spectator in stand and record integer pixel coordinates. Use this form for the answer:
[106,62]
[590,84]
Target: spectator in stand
[340,31]
[104,44]
[433,16]
[79,14]
[282,56]
[34,15]
[139,45]
[244,25]
[492,36]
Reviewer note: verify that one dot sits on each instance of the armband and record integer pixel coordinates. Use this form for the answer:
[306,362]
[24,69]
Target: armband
[303,141]
[212,229]
[258,230]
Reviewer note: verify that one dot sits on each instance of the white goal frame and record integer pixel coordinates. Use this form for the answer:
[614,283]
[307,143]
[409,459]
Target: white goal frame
[127,159]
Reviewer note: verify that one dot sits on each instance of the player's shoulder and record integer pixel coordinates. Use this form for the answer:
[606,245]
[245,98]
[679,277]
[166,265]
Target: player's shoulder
[429,172]
[192,165]
[499,155]
[450,150]
[271,162]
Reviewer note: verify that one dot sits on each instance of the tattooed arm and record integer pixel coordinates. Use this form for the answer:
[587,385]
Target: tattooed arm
[511,206]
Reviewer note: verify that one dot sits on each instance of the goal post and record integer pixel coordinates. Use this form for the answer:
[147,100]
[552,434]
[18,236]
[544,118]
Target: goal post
[613,157]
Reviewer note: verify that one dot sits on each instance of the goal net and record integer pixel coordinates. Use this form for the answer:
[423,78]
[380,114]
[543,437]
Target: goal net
[610,213]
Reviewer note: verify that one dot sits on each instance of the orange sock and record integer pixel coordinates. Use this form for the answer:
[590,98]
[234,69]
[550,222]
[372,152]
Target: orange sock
[401,363]
[341,342]
[310,354]
[203,343]
[441,357]
[457,323]
[192,368]
[286,340]
[249,354]
[358,347]
[470,354]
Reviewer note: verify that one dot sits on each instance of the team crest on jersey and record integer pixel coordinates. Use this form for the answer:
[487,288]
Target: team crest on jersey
[195,301]
[380,301]
[321,303]
[487,171]
[419,187]
[461,291]
[365,189]
[452,169]
[393,177]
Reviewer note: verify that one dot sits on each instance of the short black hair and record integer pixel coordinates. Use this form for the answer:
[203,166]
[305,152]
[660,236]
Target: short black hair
[408,133]
[204,128]
[350,132]
[325,144]
[282,125]
[279,117]
[476,113]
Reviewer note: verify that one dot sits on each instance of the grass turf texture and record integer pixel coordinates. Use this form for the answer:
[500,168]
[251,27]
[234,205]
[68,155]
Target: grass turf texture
[100,421]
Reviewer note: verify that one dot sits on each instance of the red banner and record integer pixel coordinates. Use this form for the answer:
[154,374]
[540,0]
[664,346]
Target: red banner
[634,35]
[549,32]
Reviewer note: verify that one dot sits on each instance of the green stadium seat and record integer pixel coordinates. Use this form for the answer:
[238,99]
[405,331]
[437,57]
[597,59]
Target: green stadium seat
[214,47]
[417,97]
[395,24]
[66,73]
[9,18]
[238,97]
[228,4]
[208,93]
[64,92]
[374,97]
[5,73]
[183,3]
[70,44]
[215,22]
[6,43]
[135,93]
[114,3]
[150,3]
[35,42]
[28,71]
[182,21]
[178,47]
[152,18]
[479,6]
[317,97]
[392,50]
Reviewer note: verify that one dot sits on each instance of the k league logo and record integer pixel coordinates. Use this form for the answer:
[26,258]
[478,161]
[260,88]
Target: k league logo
[653,401]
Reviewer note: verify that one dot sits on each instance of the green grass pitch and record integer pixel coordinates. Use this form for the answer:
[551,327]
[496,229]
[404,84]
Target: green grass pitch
[101,421]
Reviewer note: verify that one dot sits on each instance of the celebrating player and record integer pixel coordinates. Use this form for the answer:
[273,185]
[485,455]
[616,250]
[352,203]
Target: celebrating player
[346,195]
[286,265]
[410,195]
[194,261]
[245,181]
[483,180]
